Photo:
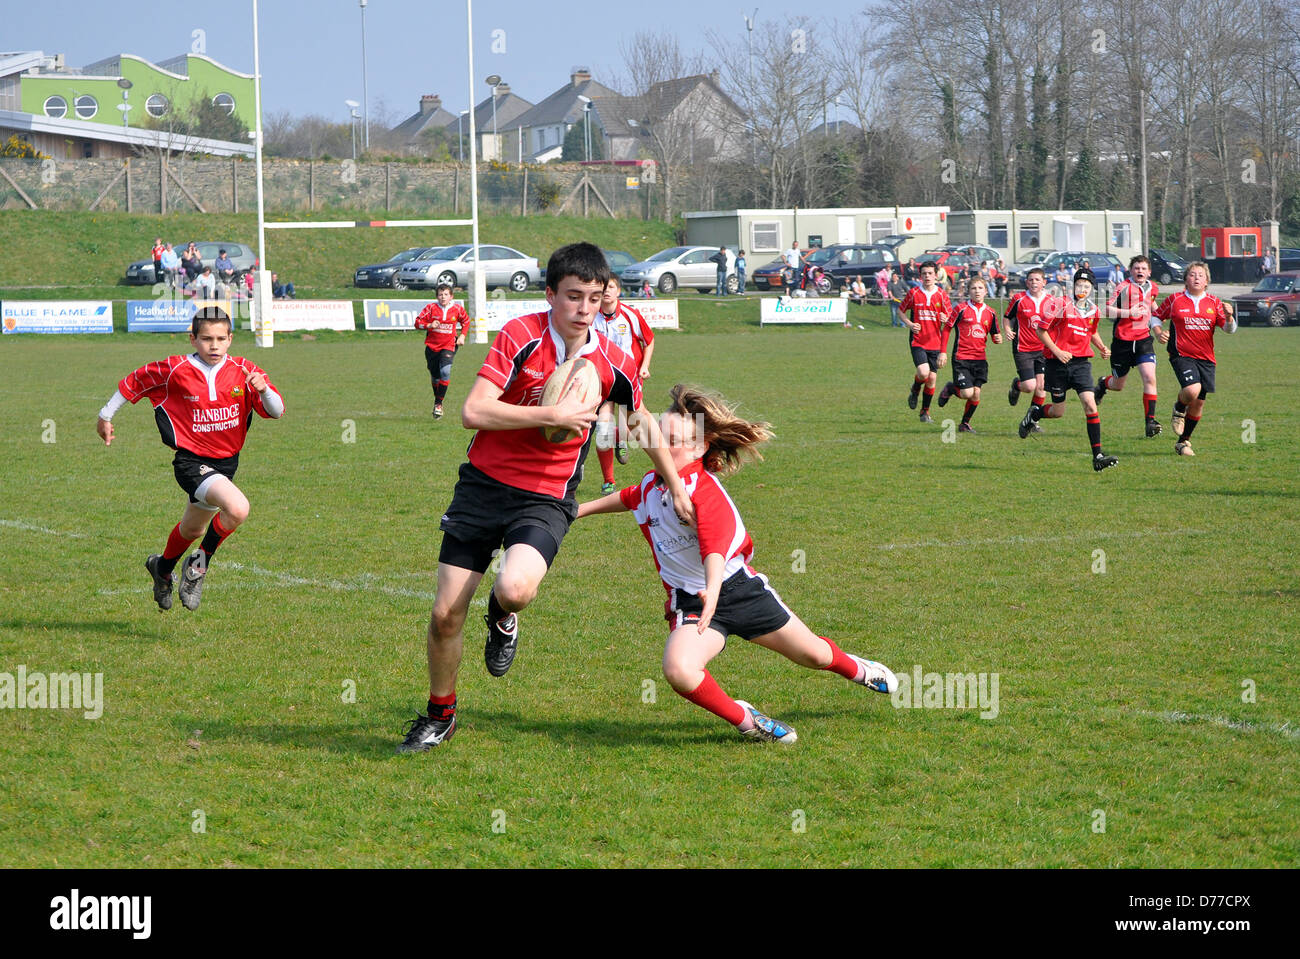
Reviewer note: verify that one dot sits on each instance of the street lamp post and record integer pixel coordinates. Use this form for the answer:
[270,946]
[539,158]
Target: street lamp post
[352,106]
[753,139]
[125,107]
[494,81]
[586,124]
[365,89]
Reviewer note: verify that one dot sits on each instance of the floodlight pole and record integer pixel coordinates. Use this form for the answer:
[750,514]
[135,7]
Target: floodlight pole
[365,88]
[263,326]
[478,283]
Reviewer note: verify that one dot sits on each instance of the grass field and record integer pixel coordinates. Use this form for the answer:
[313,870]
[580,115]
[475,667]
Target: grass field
[1122,737]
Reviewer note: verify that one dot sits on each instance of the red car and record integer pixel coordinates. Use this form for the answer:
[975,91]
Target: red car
[1275,300]
[951,262]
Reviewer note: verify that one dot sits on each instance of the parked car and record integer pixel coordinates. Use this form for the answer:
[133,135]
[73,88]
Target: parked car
[1099,263]
[771,276]
[951,261]
[1275,300]
[980,253]
[1166,267]
[845,261]
[502,266]
[385,274]
[1032,260]
[243,256]
[1288,258]
[679,266]
[894,240]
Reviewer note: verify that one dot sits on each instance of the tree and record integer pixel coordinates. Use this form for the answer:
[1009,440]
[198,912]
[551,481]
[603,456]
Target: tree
[1083,189]
[575,141]
[21,149]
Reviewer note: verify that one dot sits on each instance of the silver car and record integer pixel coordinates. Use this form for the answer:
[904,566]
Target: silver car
[502,266]
[679,266]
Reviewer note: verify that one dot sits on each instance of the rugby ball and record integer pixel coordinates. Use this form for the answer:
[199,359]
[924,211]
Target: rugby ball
[576,377]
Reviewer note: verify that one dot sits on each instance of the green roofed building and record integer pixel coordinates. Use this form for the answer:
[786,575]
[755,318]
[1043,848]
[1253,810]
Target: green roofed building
[185,104]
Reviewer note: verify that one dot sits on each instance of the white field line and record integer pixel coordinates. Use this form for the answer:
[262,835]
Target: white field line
[364,584]
[30,528]
[1285,730]
[1037,540]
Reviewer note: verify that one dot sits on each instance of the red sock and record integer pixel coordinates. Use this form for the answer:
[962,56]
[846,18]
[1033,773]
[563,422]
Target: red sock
[606,458]
[442,706]
[918,379]
[971,407]
[709,695]
[215,536]
[1106,382]
[1149,403]
[176,544]
[1038,401]
[840,664]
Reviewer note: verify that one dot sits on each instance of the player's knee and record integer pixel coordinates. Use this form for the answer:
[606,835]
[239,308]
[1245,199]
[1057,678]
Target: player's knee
[514,592]
[234,514]
[682,676]
[445,622]
[193,530]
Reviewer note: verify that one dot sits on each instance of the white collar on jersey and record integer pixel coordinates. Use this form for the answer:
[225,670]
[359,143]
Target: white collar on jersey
[209,372]
[561,352]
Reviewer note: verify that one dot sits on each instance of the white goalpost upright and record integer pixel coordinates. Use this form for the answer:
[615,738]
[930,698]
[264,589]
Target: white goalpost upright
[263,326]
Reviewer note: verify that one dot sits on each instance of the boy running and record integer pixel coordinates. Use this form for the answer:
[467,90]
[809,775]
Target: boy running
[625,327]
[203,404]
[1131,306]
[1067,341]
[1028,308]
[929,306]
[712,590]
[1193,315]
[975,322]
[516,490]
[442,341]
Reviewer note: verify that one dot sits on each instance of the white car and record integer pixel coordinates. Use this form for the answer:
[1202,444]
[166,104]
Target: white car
[679,266]
[502,266]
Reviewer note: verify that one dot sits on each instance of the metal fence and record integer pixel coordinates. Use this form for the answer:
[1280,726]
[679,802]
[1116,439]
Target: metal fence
[154,184]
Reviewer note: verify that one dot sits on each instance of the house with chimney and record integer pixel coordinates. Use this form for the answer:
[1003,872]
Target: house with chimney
[544,126]
[430,116]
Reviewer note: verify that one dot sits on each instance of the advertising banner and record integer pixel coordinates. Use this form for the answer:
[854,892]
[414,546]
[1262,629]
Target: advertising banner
[395,314]
[290,315]
[788,309]
[56,316]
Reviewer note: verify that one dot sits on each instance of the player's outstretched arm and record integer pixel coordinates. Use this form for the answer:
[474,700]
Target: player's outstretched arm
[105,430]
[104,425]
[613,503]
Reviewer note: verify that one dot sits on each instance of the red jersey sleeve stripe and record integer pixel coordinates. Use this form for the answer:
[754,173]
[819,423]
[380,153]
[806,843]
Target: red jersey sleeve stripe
[720,527]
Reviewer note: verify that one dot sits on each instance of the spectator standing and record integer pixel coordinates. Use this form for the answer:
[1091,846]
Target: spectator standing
[897,290]
[1266,264]
[740,273]
[721,259]
[157,253]
[882,283]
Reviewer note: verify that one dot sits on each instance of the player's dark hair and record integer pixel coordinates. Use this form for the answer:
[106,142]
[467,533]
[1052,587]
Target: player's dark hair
[581,260]
[732,440]
[612,281]
[930,263]
[211,314]
[1035,269]
[443,286]
[1138,259]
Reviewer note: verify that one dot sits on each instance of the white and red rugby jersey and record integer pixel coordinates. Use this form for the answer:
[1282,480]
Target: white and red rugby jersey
[627,328]
[1192,322]
[1030,313]
[975,324]
[928,309]
[1072,330]
[1139,300]
[204,409]
[521,359]
[441,325]
[678,550]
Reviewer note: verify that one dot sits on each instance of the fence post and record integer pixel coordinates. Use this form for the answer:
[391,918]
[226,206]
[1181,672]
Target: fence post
[128,184]
[523,199]
[162,186]
[456,190]
[234,184]
[311,184]
[388,187]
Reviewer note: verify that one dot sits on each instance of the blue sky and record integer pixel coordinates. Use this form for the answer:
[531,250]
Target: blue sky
[311,52]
